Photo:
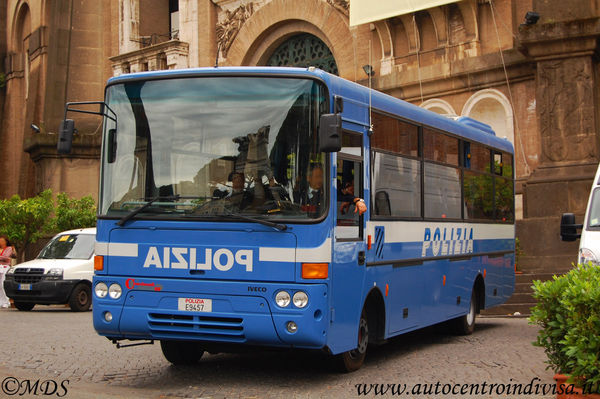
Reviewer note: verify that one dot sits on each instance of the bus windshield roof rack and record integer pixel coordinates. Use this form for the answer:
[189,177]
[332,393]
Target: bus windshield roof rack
[465,120]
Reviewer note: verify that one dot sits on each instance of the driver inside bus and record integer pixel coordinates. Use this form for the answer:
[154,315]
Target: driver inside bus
[237,195]
[309,196]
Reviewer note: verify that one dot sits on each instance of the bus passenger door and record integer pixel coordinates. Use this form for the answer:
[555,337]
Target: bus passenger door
[348,268]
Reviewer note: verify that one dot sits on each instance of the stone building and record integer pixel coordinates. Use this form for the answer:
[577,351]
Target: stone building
[534,83]
[52,51]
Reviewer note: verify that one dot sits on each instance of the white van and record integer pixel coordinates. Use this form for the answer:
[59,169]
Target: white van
[589,246]
[62,273]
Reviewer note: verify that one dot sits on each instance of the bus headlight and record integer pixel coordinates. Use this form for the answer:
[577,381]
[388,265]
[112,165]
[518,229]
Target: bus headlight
[282,299]
[115,291]
[300,299]
[101,290]
[586,255]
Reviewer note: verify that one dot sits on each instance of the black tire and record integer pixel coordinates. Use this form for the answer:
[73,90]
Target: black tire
[81,298]
[352,360]
[24,306]
[465,325]
[181,353]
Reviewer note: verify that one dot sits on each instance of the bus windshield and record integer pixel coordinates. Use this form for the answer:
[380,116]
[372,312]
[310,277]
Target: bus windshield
[214,147]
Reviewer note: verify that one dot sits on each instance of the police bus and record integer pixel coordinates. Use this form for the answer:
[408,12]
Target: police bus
[227,214]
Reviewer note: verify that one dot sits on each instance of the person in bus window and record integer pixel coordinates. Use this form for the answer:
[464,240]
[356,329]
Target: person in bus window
[237,195]
[311,195]
[346,197]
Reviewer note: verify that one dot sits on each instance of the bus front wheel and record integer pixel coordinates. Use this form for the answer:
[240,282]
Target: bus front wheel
[181,353]
[352,360]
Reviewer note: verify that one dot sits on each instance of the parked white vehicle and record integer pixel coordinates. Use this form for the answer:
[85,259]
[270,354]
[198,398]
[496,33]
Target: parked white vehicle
[62,273]
[589,245]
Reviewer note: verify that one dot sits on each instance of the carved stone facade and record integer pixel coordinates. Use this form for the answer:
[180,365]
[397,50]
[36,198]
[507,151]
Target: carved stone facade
[342,6]
[536,85]
[567,116]
[228,29]
[166,55]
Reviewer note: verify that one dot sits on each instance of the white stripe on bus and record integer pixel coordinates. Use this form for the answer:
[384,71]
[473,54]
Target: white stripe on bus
[117,249]
[321,253]
[404,231]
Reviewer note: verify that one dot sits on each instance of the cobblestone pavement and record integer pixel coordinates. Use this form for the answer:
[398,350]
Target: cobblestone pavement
[52,342]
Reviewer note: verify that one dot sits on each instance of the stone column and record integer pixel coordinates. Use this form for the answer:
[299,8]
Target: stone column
[197,23]
[129,25]
[567,110]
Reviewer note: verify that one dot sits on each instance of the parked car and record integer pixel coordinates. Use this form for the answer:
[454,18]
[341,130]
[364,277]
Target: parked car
[62,273]
[589,245]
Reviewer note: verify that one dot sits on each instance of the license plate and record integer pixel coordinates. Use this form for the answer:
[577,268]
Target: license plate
[195,305]
[25,287]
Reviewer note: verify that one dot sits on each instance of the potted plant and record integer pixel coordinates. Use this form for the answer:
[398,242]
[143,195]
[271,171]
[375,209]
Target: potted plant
[568,314]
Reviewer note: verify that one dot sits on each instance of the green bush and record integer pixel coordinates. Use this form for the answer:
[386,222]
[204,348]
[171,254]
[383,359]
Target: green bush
[568,313]
[74,213]
[24,221]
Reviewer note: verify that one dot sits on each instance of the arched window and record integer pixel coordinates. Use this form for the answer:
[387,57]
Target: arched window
[492,107]
[21,43]
[302,51]
[439,106]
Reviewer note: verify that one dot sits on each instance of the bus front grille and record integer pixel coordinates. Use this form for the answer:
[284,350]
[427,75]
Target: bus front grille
[229,329]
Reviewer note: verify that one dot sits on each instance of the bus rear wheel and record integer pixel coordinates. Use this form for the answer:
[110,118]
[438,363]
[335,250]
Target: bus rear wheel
[352,360]
[465,325]
[181,353]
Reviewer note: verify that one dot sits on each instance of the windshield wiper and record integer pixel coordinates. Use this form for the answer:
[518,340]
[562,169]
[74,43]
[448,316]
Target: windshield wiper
[131,214]
[278,226]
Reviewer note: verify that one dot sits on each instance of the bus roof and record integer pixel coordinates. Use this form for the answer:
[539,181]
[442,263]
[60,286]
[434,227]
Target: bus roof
[356,100]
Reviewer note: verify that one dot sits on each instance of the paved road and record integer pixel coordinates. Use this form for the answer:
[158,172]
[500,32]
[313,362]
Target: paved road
[52,342]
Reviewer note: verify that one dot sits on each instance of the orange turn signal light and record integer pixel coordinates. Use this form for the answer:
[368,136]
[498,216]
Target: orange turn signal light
[98,262]
[315,270]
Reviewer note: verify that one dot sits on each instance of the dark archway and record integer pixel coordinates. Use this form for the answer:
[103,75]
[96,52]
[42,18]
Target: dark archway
[304,50]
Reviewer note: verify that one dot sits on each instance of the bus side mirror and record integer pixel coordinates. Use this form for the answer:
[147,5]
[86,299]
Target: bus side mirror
[65,136]
[330,133]
[568,228]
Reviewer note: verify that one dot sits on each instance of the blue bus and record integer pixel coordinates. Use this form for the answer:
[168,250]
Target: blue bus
[227,214]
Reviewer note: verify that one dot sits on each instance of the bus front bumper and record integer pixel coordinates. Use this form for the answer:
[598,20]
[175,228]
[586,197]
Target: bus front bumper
[239,312]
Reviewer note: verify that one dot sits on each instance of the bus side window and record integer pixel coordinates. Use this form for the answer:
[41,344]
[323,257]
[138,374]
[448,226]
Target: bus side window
[348,188]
